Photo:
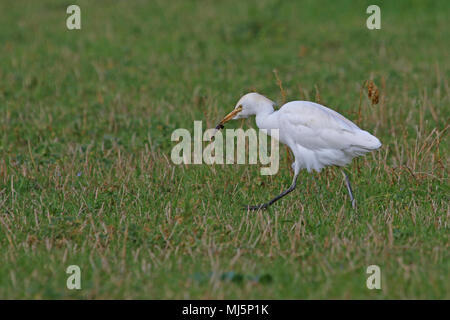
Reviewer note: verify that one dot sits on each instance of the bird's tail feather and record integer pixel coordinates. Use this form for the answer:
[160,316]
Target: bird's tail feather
[366,142]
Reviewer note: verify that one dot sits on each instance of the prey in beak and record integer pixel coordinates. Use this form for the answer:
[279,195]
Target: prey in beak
[227,118]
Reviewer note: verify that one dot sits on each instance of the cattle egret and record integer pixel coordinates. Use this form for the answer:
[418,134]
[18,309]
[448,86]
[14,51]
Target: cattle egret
[317,135]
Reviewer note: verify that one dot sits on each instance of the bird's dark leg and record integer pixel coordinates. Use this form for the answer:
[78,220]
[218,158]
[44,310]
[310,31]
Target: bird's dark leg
[349,189]
[281,195]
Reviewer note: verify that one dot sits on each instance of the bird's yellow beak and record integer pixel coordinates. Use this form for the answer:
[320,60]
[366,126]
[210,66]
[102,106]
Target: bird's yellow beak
[228,117]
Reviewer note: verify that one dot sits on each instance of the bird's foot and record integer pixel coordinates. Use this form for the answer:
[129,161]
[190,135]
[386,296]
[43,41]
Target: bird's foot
[263,206]
[354,204]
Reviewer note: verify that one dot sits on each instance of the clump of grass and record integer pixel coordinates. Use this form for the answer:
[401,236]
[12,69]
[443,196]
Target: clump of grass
[372,92]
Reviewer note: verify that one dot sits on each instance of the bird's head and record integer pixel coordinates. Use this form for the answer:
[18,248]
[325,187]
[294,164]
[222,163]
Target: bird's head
[249,105]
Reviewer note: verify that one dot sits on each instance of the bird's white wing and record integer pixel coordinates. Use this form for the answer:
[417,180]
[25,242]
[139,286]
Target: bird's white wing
[316,127]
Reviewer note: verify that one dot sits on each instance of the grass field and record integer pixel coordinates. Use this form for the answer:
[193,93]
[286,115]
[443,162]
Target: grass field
[85,172]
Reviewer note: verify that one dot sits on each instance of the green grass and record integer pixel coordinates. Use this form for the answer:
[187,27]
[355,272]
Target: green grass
[85,171]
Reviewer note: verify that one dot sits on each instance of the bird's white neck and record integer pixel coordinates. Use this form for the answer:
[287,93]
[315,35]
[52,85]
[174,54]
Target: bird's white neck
[262,117]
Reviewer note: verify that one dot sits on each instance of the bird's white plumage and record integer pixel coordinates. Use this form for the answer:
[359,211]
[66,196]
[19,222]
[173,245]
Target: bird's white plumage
[317,135]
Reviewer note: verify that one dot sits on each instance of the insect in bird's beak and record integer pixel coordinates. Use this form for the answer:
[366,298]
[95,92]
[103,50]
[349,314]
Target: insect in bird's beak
[227,118]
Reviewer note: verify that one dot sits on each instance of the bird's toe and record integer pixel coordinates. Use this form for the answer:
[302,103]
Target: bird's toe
[257,207]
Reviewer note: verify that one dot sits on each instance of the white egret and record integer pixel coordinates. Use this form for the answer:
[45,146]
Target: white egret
[317,135]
